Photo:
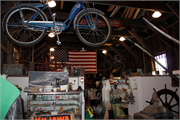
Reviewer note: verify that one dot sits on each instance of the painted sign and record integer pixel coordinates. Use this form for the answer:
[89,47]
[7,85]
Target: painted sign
[113,23]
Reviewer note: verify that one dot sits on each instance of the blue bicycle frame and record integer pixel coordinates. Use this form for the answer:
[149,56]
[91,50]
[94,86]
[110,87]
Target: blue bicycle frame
[41,25]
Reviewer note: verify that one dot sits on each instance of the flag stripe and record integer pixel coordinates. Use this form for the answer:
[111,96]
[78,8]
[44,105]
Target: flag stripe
[87,59]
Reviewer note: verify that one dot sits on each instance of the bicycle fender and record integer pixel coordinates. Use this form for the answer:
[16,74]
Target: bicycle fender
[88,9]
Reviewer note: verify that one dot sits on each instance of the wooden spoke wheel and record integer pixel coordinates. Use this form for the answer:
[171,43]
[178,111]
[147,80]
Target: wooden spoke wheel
[172,102]
[119,65]
[107,65]
[117,58]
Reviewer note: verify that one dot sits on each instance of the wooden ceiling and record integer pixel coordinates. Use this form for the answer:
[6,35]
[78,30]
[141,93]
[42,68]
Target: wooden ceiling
[130,14]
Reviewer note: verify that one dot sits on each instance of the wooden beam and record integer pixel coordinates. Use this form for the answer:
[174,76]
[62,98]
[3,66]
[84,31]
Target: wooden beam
[124,12]
[7,5]
[173,9]
[62,2]
[129,49]
[127,12]
[37,49]
[4,48]
[33,53]
[40,53]
[165,27]
[115,11]
[117,52]
[146,5]
[168,45]
[109,54]
[111,7]
[131,13]
[136,13]
[139,40]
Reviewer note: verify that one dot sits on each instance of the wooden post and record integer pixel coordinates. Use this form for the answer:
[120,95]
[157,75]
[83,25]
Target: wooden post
[33,53]
[32,64]
[8,51]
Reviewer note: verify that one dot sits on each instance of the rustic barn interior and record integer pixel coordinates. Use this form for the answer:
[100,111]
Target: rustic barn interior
[128,19]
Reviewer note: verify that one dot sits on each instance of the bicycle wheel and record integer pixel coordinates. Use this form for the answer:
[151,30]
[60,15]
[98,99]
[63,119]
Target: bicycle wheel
[96,36]
[22,34]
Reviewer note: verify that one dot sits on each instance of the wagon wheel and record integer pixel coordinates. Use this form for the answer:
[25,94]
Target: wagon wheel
[168,103]
[117,58]
[107,65]
[119,65]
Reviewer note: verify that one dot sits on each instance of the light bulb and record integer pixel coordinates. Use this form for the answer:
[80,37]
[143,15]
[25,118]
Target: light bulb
[52,49]
[156,14]
[51,34]
[104,51]
[51,3]
[52,57]
[122,39]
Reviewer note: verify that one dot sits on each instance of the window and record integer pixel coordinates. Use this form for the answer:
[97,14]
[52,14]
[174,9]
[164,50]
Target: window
[162,58]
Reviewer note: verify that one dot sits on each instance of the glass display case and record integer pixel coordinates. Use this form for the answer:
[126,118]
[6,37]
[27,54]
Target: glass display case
[51,103]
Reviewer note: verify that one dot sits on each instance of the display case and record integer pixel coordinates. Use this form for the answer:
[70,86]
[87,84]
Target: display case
[53,103]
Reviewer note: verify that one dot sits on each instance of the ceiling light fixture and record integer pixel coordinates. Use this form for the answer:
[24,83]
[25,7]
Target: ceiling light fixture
[156,14]
[52,49]
[51,35]
[122,39]
[52,57]
[51,3]
[104,51]
[82,50]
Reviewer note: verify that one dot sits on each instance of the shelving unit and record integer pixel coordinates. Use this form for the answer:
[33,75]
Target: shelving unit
[71,102]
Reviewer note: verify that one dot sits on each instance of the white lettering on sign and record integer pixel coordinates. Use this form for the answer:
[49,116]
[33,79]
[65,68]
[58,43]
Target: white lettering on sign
[113,23]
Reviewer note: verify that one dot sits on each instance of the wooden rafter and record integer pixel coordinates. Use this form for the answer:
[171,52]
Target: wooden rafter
[145,5]
[115,11]
[4,48]
[139,40]
[40,53]
[37,49]
[62,3]
[127,12]
[7,5]
[131,13]
[136,13]
[129,49]
[117,52]
[173,9]
[112,58]
[111,7]
[124,12]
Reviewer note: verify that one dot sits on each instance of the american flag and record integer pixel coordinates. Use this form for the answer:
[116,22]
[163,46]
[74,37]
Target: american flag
[85,59]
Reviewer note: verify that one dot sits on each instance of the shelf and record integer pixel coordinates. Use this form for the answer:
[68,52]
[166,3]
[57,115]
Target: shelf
[41,105]
[54,93]
[67,105]
[55,100]
[50,105]
[69,100]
